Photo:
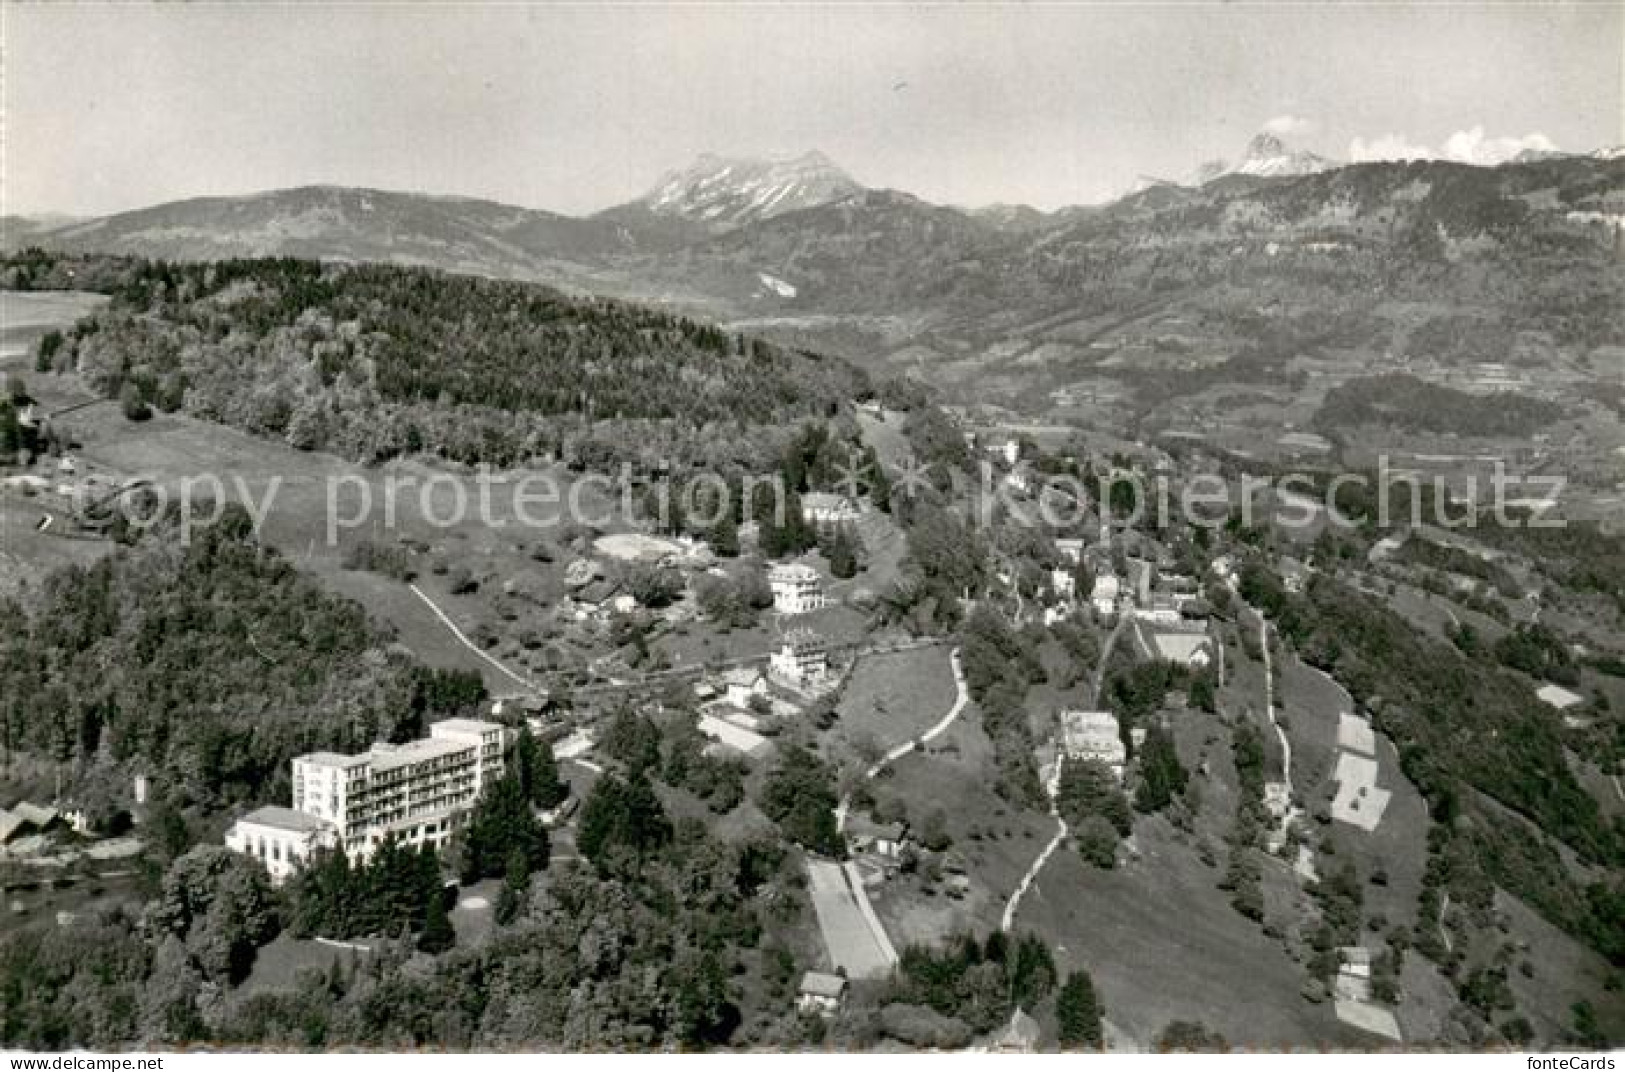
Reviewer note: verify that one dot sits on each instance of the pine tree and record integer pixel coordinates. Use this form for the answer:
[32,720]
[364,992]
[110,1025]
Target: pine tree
[502,823]
[437,935]
[1162,776]
[1077,1011]
[514,888]
[538,771]
[724,537]
[843,556]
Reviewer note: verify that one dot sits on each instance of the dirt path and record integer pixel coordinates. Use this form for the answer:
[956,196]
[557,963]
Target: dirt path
[908,746]
[469,644]
[1008,920]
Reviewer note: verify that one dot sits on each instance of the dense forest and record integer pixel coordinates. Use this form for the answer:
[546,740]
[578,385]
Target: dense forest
[1398,400]
[372,361]
[206,667]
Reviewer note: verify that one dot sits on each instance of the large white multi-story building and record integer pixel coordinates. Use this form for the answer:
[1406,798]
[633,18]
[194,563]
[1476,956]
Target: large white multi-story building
[796,588]
[802,658]
[418,792]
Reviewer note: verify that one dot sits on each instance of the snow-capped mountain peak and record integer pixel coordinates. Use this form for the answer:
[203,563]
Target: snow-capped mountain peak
[1268,155]
[728,192]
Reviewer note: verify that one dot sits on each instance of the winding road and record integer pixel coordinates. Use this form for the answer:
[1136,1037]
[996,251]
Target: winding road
[853,934]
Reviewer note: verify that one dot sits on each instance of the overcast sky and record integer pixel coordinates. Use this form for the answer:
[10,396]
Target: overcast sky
[574,108]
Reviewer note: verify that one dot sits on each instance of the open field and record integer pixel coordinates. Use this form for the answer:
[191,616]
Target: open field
[995,841]
[279,965]
[889,699]
[1562,972]
[296,493]
[1398,845]
[27,554]
[1163,944]
[25,316]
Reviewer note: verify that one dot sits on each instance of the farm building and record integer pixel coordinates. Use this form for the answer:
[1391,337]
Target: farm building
[741,684]
[882,839]
[734,737]
[821,993]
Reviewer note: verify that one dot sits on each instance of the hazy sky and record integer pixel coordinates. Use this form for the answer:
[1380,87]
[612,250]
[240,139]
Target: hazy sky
[577,107]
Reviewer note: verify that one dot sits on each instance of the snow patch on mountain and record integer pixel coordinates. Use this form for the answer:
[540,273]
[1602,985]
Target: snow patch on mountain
[1267,156]
[733,191]
[776,285]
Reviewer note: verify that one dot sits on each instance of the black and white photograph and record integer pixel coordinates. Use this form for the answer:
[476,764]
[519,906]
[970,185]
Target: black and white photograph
[811,528]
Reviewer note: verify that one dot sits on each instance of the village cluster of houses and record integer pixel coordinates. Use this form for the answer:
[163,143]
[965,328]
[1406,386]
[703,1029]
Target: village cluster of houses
[1167,604]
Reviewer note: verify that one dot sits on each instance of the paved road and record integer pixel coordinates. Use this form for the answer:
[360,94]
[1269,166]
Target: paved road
[852,933]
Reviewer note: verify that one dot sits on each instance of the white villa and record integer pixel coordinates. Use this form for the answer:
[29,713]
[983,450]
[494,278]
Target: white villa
[796,588]
[1094,735]
[802,658]
[1105,594]
[280,838]
[826,508]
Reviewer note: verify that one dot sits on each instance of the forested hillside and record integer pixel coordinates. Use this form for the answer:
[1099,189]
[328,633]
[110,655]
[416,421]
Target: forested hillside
[1409,404]
[206,667]
[1486,754]
[373,361]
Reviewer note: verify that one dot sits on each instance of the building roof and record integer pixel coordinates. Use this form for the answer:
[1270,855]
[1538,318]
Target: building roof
[824,500]
[36,814]
[822,985]
[746,676]
[334,759]
[792,571]
[735,737]
[1091,731]
[1559,697]
[862,826]
[280,818]
[475,726]
[1021,1032]
[1180,647]
[388,757]
[598,591]
[9,824]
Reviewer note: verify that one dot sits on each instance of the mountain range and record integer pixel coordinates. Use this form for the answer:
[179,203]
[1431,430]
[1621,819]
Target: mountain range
[796,249]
